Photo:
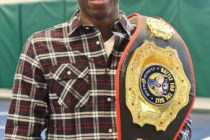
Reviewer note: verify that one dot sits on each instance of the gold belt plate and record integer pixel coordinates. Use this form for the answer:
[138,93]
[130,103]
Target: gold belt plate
[159,28]
[156,85]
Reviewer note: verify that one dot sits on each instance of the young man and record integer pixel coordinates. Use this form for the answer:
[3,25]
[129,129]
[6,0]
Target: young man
[65,79]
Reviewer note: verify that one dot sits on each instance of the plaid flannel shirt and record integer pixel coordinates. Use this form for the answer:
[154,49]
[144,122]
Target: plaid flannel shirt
[66,83]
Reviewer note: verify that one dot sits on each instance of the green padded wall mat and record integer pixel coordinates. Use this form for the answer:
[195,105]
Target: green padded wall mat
[191,18]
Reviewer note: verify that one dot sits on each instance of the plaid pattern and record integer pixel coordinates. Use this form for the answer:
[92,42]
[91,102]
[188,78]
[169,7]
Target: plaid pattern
[65,83]
[186,131]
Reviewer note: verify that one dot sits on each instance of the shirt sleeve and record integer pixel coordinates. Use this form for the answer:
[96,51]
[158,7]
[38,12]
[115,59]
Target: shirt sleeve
[186,132]
[28,112]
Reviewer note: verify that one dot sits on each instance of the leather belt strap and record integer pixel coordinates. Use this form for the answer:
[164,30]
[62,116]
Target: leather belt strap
[130,125]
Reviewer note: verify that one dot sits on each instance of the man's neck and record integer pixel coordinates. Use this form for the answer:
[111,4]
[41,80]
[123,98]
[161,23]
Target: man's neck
[102,24]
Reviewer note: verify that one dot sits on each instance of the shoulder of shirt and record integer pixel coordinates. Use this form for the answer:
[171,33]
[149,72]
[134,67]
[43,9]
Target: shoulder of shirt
[48,32]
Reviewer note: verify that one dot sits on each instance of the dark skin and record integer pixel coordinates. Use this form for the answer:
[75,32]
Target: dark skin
[101,13]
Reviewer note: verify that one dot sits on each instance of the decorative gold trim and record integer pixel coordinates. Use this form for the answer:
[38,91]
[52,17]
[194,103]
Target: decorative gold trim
[159,28]
[161,113]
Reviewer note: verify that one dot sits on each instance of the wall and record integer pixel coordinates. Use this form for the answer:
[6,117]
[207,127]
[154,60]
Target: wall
[191,18]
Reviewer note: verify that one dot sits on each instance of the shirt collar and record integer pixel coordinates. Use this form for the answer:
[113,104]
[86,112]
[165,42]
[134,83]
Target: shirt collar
[74,23]
[122,25]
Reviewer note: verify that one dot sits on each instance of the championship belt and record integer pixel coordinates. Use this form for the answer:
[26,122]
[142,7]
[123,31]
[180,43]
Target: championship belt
[155,84]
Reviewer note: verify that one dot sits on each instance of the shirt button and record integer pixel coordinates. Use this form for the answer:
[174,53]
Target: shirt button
[109,99]
[110,130]
[97,42]
[68,72]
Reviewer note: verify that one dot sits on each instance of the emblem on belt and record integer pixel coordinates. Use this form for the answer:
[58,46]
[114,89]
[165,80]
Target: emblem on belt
[159,28]
[156,85]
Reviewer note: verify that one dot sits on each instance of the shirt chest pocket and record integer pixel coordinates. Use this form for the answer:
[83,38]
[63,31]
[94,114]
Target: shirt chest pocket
[70,83]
